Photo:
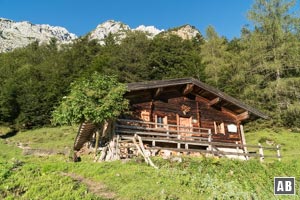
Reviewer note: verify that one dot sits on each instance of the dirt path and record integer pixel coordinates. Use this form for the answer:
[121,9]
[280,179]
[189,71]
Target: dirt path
[96,188]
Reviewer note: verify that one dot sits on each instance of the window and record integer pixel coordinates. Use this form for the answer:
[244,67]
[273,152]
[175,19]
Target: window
[160,121]
[219,127]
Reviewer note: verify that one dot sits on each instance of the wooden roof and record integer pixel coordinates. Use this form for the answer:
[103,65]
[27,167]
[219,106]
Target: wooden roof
[194,87]
[85,133]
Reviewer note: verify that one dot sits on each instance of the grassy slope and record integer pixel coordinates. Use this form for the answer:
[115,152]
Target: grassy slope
[289,141]
[47,138]
[27,177]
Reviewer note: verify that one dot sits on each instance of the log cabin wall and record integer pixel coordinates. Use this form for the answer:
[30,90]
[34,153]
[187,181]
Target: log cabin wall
[197,109]
[213,118]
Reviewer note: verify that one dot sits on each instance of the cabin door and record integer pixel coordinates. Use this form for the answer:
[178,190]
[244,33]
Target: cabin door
[185,124]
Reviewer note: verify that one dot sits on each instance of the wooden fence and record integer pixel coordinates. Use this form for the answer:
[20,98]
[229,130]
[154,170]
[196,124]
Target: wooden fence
[189,139]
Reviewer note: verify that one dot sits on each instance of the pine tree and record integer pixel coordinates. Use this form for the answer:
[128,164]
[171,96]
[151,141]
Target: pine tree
[271,51]
[216,58]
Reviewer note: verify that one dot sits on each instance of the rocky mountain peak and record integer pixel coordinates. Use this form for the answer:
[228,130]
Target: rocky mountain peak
[151,31]
[109,27]
[19,34]
[186,32]
[119,30]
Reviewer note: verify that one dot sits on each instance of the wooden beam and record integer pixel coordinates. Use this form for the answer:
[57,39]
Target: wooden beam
[214,101]
[243,116]
[157,92]
[200,98]
[238,117]
[229,112]
[188,88]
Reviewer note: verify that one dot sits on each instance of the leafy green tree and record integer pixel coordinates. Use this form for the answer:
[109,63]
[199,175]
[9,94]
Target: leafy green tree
[173,57]
[93,99]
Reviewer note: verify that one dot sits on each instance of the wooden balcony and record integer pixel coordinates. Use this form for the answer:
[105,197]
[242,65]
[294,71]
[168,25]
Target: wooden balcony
[171,137]
[122,134]
[164,134]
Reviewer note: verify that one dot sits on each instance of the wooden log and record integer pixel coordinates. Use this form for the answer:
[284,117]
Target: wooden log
[141,150]
[96,145]
[103,153]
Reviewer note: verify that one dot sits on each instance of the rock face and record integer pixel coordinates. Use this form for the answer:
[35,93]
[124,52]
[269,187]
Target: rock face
[186,32]
[151,31]
[119,31]
[19,34]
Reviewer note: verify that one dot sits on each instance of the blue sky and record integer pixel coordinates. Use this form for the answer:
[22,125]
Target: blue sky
[82,16]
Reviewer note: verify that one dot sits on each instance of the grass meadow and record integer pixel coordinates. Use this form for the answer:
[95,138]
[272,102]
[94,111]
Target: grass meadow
[56,177]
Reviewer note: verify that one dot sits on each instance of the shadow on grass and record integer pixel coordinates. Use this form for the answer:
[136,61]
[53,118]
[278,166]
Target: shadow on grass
[9,134]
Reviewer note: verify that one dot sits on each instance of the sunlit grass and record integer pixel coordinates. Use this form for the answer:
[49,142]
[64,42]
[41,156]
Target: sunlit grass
[288,141]
[57,138]
[32,177]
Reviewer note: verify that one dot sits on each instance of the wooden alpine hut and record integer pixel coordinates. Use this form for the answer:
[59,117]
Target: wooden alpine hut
[178,115]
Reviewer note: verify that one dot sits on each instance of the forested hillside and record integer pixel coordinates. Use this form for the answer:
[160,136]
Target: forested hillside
[261,67]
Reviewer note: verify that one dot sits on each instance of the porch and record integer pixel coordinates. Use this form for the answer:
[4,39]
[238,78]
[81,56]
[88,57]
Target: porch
[188,140]
[176,138]
[119,139]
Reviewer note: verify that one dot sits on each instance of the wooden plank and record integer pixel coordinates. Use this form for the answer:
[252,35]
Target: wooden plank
[243,116]
[204,151]
[161,129]
[153,123]
[168,137]
[229,112]
[180,140]
[214,101]
[147,158]
[158,92]
[188,88]
[172,141]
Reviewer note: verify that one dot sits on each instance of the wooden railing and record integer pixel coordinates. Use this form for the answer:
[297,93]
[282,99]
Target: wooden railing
[162,131]
[187,138]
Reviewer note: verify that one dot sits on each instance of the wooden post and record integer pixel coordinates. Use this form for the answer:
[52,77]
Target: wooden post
[168,132]
[118,150]
[186,146]
[261,153]
[209,141]
[178,144]
[237,148]
[96,144]
[278,152]
[153,143]
[244,141]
